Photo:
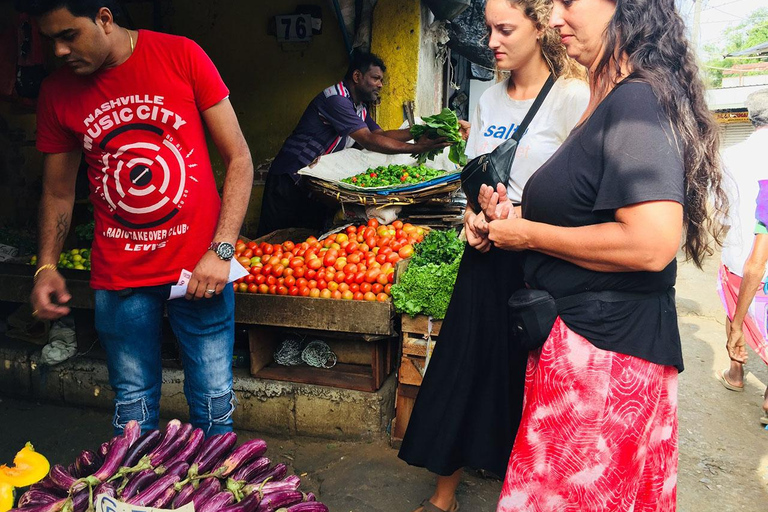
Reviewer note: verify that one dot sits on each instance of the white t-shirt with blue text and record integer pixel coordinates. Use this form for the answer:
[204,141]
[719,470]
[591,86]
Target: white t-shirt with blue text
[497,116]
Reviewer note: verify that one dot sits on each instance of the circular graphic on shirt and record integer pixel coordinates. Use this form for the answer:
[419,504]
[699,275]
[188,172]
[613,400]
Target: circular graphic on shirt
[144,180]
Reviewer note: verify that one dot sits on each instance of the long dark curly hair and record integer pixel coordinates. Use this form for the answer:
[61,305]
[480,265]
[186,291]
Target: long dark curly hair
[651,34]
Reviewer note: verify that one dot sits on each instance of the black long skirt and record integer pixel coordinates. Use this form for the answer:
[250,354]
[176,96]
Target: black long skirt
[470,402]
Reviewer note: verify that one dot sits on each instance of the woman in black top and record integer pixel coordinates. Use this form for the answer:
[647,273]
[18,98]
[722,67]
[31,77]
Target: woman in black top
[607,213]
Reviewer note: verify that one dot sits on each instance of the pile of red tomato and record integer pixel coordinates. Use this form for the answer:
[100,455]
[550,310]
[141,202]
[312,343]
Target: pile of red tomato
[355,264]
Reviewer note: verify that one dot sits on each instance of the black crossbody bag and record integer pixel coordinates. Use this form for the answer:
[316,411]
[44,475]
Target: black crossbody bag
[496,166]
[532,313]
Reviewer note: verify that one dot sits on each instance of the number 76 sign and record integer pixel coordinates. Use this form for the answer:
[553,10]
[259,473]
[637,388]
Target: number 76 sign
[293,27]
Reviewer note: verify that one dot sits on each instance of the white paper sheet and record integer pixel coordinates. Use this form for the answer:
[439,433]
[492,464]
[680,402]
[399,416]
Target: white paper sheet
[104,503]
[236,271]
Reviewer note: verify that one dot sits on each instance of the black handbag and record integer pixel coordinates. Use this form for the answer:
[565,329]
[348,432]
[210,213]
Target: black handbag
[532,313]
[494,167]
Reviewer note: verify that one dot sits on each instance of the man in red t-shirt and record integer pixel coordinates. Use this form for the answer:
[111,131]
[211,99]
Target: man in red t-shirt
[135,103]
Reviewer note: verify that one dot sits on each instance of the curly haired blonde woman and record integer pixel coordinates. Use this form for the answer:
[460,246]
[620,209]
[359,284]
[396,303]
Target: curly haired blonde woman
[470,401]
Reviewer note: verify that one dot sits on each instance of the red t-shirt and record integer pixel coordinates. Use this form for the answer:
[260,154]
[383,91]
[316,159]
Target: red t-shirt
[155,201]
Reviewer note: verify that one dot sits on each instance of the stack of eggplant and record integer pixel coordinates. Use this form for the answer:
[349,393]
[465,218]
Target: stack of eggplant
[169,469]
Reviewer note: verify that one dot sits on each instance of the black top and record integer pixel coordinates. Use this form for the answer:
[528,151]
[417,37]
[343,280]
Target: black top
[625,153]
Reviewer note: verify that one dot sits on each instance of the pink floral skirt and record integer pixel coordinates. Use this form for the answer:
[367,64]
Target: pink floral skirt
[598,432]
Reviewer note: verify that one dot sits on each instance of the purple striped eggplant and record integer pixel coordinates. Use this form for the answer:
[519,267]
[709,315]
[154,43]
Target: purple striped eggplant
[252,470]
[188,450]
[78,502]
[275,500]
[132,431]
[138,482]
[47,485]
[310,496]
[165,499]
[87,463]
[208,444]
[307,506]
[72,470]
[143,445]
[217,502]
[61,478]
[247,504]
[183,497]
[37,497]
[179,469]
[154,491]
[276,473]
[112,462]
[105,488]
[104,448]
[217,452]
[244,453]
[171,429]
[290,483]
[207,488]
[158,457]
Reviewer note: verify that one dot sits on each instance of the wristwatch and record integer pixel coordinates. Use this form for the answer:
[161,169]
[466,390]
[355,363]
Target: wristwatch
[223,250]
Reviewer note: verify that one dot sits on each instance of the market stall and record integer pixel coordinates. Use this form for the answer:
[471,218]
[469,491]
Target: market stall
[173,468]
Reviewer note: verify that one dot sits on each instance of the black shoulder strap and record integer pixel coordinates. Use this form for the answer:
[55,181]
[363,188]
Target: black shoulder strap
[534,108]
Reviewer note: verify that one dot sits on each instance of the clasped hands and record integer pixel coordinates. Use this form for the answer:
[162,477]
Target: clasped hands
[498,223]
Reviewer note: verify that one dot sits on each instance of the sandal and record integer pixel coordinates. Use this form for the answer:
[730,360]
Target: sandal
[721,376]
[428,506]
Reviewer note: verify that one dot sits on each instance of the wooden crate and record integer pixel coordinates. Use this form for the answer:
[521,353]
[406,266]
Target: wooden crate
[362,365]
[413,356]
[406,397]
[414,345]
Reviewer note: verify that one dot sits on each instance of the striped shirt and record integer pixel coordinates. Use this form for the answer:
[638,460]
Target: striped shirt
[323,128]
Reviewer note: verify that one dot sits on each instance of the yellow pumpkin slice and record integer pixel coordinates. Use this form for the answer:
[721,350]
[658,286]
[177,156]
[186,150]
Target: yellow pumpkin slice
[6,496]
[29,467]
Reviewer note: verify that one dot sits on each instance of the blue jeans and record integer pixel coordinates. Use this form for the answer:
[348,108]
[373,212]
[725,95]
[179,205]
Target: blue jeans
[129,324]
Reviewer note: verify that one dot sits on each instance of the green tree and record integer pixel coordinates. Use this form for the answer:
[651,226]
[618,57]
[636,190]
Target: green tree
[748,33]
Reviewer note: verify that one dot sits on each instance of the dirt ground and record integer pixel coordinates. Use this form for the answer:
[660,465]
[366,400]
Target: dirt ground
[723,448]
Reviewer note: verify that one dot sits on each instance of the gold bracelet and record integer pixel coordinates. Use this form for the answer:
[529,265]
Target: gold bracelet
[47,266]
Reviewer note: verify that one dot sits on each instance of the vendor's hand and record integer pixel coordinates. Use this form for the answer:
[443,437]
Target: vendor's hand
[49,296]
[476,239]
[495,203]
[209,277]
[509,234]
[736,344]
[425,144]
[464,128]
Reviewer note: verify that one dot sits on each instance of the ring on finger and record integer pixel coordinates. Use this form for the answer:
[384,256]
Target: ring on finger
[210,292]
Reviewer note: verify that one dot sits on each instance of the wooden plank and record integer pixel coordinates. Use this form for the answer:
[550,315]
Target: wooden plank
[352,351]
[324,314]
[358,317]
[414,345]
[419,324]
[411,370]
[406,398]
[262,343]
[346,376]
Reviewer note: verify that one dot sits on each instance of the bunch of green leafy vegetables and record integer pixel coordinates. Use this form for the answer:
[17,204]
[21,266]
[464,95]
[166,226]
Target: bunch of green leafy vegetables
[445,124]
[427,284]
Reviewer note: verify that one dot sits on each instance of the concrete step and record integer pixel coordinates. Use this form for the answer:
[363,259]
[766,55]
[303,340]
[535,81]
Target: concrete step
[269,406]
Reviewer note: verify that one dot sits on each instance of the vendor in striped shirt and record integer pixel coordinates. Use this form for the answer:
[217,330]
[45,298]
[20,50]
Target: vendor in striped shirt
[335,119]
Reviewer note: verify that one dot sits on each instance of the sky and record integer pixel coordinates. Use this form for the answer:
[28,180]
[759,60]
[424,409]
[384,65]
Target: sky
[717,15]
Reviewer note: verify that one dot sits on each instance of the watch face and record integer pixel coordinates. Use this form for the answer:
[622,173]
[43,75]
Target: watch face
[225,251]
